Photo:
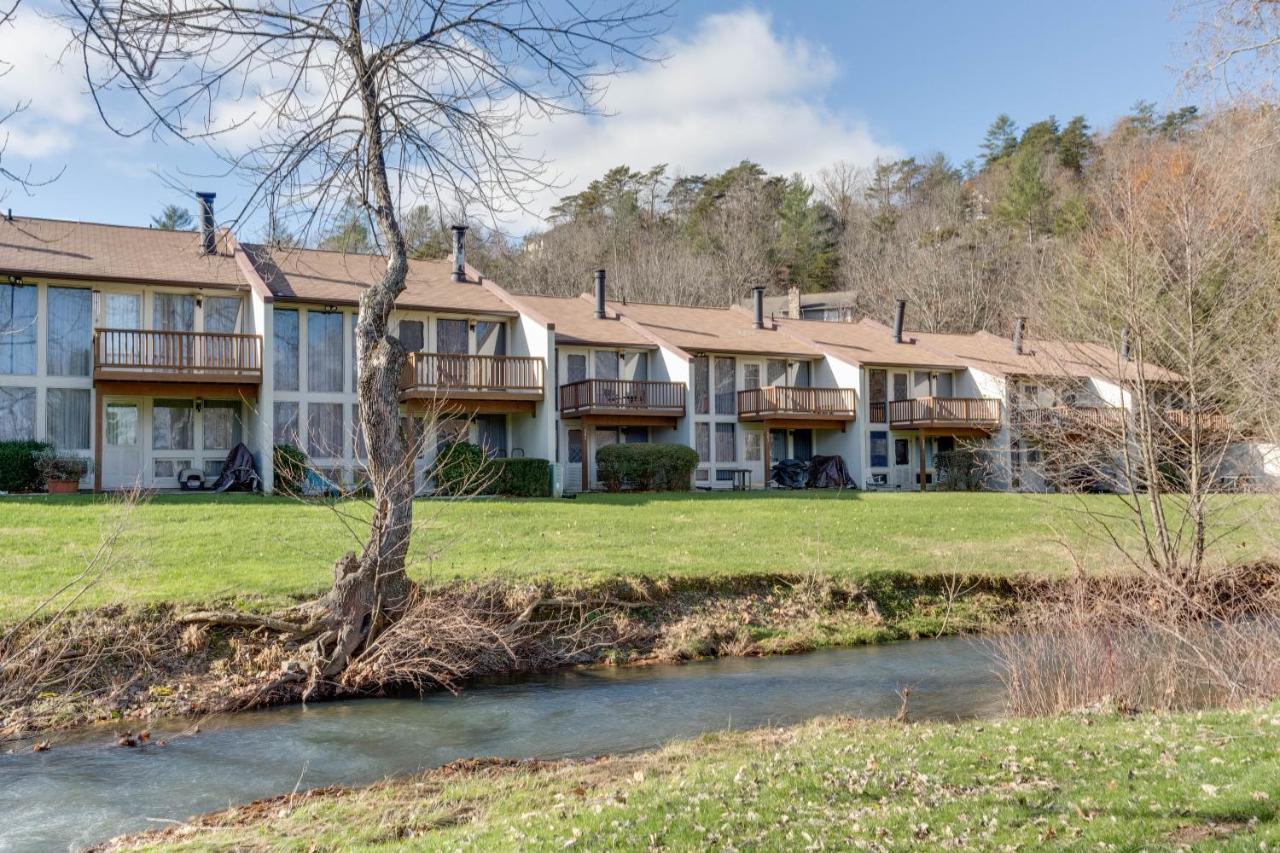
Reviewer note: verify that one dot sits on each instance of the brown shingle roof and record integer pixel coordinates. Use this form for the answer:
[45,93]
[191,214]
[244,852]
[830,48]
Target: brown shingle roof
[337,278]
[1077,359]
[868,342]
[726,330]
[85,250]
[576,322]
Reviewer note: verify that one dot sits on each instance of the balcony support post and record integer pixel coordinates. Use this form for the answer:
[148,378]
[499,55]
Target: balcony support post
[99,411]
[920,440]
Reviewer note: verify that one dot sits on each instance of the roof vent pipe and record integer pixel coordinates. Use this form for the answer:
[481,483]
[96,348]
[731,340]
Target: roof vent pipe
[1126,348]
[1019,332]
[208,241]
[899,317]
[459,253]
[600,294]
[757,297]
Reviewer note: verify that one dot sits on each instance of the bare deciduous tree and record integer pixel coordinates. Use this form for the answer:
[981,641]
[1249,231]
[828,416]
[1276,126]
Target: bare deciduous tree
[389,103]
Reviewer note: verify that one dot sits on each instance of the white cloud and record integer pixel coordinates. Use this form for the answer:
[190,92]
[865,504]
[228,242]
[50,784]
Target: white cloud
[34,73]
[734,90]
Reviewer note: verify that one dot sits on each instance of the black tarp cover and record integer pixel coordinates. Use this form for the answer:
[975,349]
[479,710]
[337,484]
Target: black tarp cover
[829,472]
[238,471]
[791,473]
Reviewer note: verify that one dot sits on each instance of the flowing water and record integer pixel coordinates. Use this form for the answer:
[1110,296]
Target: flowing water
[87,789]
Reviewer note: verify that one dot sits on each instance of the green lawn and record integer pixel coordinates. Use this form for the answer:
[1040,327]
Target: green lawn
[263,550]
[1204,781]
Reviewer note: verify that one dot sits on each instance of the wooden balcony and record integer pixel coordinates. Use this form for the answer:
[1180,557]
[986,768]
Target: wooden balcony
[623,401]
[946,415]
[786,402]
[473,383]
[1211,423]
[1068,421]
[144,355]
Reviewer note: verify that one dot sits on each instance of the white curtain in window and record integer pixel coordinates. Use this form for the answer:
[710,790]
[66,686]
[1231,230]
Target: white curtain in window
[124,310]
[175,312]
[172,425]
[17,413]
[726,402]
[324,351]
[285,424]
[70,347]
[324,429]
[17,330]
[221,313]
[284,349]
[726,446]
[67,418]
[222,427]
[606,362]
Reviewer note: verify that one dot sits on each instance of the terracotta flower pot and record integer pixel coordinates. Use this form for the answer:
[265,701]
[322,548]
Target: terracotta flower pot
[63,487]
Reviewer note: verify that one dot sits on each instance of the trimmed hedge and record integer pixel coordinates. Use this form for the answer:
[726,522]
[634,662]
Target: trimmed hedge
[19,471]
[646,467]
[462,469]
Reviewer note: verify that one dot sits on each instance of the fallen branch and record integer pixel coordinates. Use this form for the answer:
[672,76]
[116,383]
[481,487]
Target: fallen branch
[248,620]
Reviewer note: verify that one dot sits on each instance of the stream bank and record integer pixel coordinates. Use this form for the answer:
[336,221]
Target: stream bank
[137,665]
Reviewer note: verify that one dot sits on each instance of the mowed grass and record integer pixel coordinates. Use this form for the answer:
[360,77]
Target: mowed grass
[263,551]
[1206,781]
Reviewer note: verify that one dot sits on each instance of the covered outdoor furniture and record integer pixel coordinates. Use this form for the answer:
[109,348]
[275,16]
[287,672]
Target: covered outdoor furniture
[829,472]
[238,471]
[791,473]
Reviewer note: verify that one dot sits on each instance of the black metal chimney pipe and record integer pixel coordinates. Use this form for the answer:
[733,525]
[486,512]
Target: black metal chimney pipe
[1019,331]
[1126,348]
[208,240]
[899,317]
[600,294]
[459,253]
[757,296]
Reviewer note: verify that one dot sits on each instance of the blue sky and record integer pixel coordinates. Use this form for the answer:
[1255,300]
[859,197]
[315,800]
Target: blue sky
[795,86]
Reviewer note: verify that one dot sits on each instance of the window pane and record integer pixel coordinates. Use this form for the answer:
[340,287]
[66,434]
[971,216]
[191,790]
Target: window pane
[17,413]
[901,452]
[802,375]
[284,347]
[451,336]
[879,450]
[285,424]
[776,372]
[493,435]
[221,313]
[222,427]
[606,365]
[575,366]
[750,376]
[491,338]
[124,310]
[324,430]
[575,446]
[802,445]
[175,312]
[900,386]
[635,435]
[635,366]
[879,381]
[946,385]
[18,330]
[726,403]
[702,385]
[411,335]
[324,351]
[172,425]
[67,412]
[726,447]
[921,384]
[120,424]
[70,347]
[753,441]
[702,440]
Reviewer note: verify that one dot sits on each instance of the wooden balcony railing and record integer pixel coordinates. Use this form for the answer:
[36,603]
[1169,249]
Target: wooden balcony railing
[622,396]
[429,374]
[1069,419]
[1211,422]
[786,401]
[878,413]
[176,356]
[982,413]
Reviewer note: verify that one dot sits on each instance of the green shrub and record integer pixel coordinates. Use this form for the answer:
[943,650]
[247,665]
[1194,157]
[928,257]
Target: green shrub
[462,469]
[53,465]
[290,464]
[522,478]
[646,467]
[18,470]
[959,470]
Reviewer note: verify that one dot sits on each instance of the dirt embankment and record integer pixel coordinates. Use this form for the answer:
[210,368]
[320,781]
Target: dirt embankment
[132,665]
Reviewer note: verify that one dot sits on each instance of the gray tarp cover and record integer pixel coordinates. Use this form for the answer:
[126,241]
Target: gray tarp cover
[238,471]
[828,472]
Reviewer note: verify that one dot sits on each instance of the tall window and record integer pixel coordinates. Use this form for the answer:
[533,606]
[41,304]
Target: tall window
[575,368]
[17,413]
[412,335]
[750,376]
[635,366]
[726,444]
[901,451]
[324,430]
[900,386]
[702,385]
[802,375]
[124,310]
[726,403]
[879,449]
[702,441]
[172,425]
[70,346]
[221,313]
[285,423]
[492,431]
[324,351]
[284,349]
[67,418]
[606,362]
[776,371]
[451,336]
[491,338]
[222,427]
[946,385]
[17,329]
[175,312]
[878,380]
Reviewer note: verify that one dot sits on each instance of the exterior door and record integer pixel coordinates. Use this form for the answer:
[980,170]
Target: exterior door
[573,454]
[904,475]
[122,443]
